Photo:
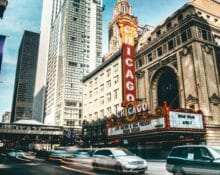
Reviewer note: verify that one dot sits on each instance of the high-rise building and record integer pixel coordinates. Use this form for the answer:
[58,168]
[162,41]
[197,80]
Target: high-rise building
[3,5]
[74,50]
[25,77]
[6,117]
[2,41]
[40,84]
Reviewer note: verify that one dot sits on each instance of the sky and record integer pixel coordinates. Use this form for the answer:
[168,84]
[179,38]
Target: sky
[23,15]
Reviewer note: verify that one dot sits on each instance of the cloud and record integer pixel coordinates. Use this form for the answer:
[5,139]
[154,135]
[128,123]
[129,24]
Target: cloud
[20,15]
[7,59]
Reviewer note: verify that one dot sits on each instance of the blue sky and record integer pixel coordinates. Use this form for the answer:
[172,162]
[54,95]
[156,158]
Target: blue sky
[23,15]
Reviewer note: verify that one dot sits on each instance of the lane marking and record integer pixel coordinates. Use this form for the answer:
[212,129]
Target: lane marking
[77,170]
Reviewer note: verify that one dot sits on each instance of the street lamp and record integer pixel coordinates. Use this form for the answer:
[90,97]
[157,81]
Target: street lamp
[3,5]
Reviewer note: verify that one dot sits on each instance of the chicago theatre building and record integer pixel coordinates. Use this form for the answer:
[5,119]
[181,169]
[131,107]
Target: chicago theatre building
[169,82]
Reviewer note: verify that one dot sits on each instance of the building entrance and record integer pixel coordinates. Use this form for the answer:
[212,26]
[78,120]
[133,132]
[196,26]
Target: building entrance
[167,88]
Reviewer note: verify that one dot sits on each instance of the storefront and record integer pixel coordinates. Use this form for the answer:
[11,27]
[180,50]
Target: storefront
[148,135]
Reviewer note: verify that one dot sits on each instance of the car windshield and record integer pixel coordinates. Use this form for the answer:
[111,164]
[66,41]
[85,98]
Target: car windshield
[83,152]
[122,152]
[59,152]
[215,151]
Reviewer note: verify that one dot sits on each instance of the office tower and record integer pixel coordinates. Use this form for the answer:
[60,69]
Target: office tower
[40,84]
[2,41]
[25,77]
[75,43]
[3,5]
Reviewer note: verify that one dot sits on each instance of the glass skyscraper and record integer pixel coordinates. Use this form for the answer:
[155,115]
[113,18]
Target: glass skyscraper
[25,77]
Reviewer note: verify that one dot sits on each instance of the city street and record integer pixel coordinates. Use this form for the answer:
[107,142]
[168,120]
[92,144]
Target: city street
[42,167]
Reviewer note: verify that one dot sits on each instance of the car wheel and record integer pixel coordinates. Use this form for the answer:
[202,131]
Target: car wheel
[95,166]
[118,168]
[141,172]
[178,173]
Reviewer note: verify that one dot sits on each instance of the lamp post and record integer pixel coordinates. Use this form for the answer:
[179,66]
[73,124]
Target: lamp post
[3,5]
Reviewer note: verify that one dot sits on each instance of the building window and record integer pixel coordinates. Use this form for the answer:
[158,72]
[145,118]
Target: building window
[109,84]
[96,91]
[184,36]
[116,68]
[170,44]
[108,72]
[101,77]
[72,63]
[189,33]
[149,57]
[123,8]
[102,100]
[199,13]
[95,81]
[206,35]
[116,93]
[158,32]
[96,115]
[116,79]
[159,51]
[180,18]
[90,94]
[164,48]
[102,113]
[102,87]
[140,62]
[116,108]
[178,41]
[169,25]
[90,116]
[109,97]
[109,111]
[70,123]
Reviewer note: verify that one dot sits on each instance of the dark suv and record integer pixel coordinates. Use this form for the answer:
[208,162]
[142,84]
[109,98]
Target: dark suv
[194,160]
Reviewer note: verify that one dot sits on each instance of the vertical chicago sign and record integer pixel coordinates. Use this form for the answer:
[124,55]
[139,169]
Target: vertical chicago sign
[128,29]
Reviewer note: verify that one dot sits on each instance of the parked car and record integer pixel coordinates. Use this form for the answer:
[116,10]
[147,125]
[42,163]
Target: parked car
[80,158]
[83,153]
[22,155]
[57,155]
[194,159]
[118,160]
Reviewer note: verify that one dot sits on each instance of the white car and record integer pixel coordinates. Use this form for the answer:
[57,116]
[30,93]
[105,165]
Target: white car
[119,160]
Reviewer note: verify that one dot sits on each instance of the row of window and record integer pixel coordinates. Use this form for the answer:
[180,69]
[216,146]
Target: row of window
[109,97]
[108,85]
[101,77]
[172,43]
[104,112]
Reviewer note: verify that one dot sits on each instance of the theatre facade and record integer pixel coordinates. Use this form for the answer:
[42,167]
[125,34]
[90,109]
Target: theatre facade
[171,95]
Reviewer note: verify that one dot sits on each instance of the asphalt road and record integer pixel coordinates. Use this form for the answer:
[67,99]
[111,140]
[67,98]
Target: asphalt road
[42,167]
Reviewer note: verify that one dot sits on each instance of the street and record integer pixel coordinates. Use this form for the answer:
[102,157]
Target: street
[42,167]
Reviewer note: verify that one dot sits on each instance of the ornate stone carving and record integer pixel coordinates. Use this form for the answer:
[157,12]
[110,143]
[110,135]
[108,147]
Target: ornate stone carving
[207,49]
[186,51]
[215,99]
[140,74]
[192,100]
